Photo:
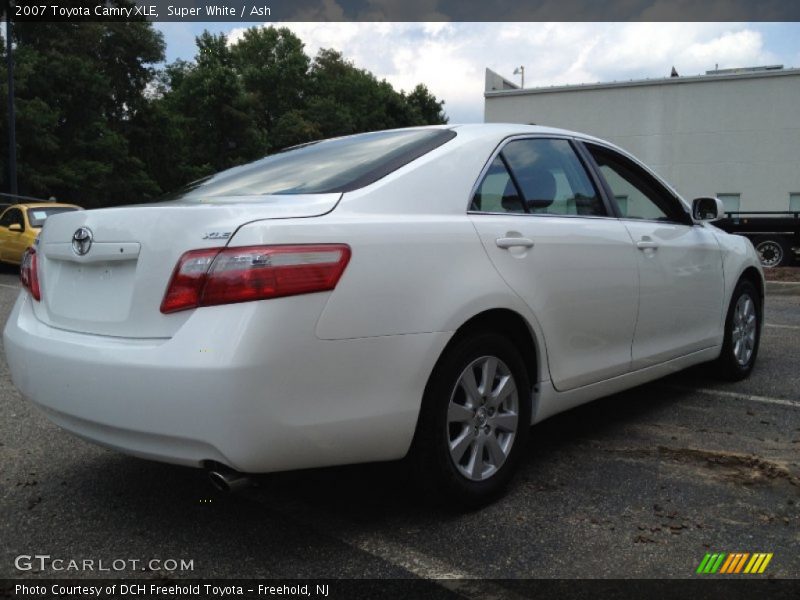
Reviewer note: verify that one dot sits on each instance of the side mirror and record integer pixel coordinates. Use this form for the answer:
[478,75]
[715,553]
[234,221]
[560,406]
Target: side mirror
[707,209]
[15,227]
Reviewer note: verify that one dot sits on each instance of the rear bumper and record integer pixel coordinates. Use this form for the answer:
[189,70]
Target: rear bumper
[246,385]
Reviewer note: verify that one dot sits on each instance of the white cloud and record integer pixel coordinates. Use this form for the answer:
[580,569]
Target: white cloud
[733,49]
[691,47]
[450,57]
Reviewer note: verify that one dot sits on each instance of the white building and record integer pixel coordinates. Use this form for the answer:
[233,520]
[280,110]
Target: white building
[734,134]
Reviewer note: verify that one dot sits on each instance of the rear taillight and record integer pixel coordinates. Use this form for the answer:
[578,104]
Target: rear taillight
[229,275]
[29,273]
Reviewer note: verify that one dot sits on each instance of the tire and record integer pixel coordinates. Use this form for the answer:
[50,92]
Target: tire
[467,446]
[773,251]
[742,333]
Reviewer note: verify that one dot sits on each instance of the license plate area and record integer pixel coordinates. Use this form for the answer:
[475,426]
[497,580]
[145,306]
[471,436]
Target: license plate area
[96,292]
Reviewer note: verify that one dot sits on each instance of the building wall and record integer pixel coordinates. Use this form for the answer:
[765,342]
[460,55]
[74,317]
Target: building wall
[706,135]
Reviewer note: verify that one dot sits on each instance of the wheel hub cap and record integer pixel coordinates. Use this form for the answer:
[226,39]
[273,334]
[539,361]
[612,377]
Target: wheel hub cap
[770,254]
[745,325]
[482,418]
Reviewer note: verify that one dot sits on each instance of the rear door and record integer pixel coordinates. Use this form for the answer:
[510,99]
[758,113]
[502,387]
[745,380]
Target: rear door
[548,232]
[681,284]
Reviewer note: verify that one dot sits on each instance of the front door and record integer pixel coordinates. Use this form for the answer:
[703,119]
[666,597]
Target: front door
[681,285]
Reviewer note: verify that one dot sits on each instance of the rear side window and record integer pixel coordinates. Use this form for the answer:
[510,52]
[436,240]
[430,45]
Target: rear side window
[338,165]
[541,176]
[497,192]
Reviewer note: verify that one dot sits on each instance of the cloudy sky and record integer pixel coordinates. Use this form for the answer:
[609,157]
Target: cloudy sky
[450,58]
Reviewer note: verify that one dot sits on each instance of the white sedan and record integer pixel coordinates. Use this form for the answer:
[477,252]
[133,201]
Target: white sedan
[426,292]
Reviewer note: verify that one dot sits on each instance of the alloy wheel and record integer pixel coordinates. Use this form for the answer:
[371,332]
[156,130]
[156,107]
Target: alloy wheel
[482,418]
[744,329]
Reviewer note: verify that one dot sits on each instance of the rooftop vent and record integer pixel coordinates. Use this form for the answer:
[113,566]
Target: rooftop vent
[744,70]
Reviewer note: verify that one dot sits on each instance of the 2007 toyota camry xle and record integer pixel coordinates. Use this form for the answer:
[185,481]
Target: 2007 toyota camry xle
[427,292]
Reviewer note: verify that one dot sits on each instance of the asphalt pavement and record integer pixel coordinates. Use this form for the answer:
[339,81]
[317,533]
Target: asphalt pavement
[640,484]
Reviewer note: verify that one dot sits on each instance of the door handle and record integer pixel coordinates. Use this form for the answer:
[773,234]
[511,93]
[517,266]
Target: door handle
[647,244]
[513,242]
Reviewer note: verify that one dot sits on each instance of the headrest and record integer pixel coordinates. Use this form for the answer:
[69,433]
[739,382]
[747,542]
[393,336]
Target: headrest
[511,201]
[539,187]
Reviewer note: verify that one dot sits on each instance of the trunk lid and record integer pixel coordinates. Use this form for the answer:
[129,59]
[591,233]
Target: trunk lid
[116,287]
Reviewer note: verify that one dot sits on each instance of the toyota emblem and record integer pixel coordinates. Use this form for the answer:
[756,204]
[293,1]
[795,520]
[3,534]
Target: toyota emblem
[82,241]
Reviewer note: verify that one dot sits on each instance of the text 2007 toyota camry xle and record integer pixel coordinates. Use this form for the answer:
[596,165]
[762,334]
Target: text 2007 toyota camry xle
[428,292]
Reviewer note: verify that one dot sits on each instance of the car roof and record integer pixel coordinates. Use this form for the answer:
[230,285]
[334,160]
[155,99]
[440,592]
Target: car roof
[503,130]
[43,205]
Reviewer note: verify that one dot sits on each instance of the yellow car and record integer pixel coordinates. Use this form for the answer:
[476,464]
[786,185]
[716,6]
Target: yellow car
[21,223]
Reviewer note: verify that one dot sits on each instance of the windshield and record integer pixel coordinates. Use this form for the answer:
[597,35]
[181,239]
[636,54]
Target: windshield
[337,165]
[37,216]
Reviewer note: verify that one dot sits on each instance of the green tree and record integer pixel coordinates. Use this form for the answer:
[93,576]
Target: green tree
[429,109]
[78,88]
[209,102]
[98,125]
[273,69]
[294,128]
[345,99]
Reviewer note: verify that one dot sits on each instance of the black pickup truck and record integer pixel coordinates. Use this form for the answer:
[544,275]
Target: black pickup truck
[775,234]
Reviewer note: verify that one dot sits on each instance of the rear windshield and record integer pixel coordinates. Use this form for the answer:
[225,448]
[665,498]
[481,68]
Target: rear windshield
[37,216]
[337,165]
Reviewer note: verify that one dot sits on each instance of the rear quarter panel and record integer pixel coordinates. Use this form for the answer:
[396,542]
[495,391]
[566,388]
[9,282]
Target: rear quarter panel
[417,264]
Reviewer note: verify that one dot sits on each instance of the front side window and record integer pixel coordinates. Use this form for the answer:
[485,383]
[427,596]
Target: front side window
[337,165]
[538,176]
[638,194]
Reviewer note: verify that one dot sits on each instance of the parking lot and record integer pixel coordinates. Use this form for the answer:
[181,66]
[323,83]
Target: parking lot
[640,484]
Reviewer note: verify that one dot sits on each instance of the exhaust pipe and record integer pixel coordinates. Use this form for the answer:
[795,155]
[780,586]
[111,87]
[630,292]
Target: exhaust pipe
[228,480]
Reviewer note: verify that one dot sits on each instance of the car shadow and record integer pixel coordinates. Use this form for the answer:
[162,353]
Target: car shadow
[376,489]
